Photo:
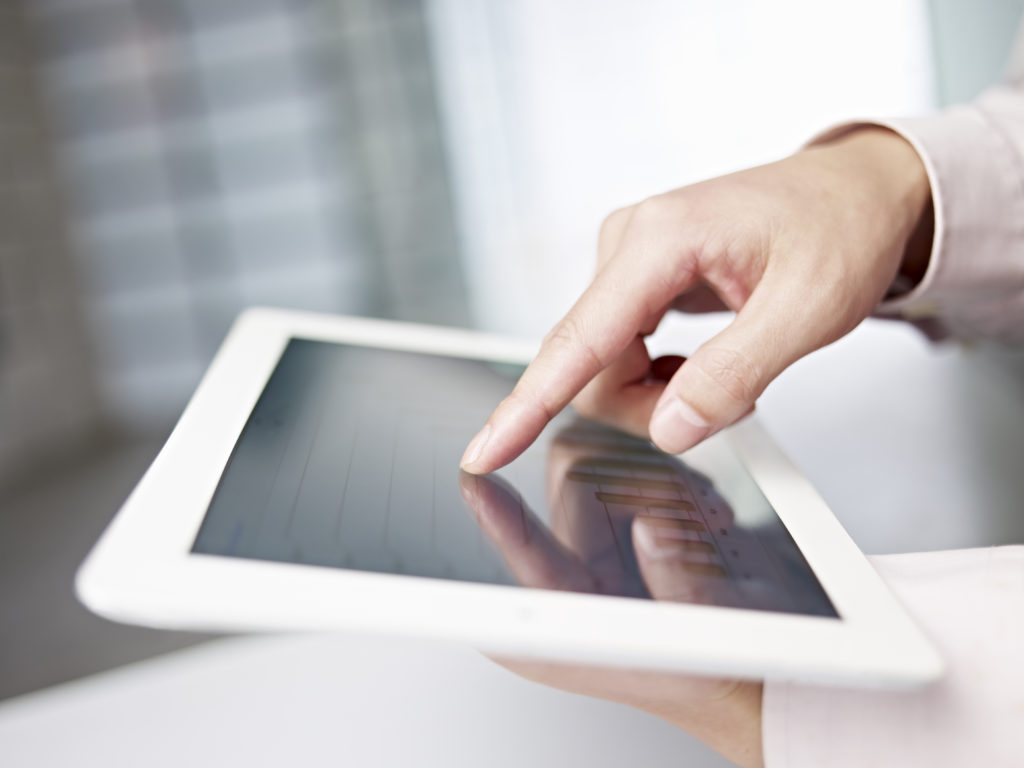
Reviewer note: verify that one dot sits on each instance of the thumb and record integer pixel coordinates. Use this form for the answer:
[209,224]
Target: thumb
[719,383]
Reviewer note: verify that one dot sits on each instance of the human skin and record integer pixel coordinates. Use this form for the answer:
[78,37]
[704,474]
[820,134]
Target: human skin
[802,250]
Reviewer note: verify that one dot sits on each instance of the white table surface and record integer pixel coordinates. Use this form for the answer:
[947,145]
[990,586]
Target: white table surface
[329,701]
[915,447]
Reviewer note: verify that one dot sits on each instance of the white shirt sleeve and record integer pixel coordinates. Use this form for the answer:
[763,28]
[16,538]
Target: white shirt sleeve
[971,604]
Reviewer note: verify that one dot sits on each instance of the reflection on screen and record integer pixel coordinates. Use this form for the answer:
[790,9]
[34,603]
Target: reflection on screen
[350,460]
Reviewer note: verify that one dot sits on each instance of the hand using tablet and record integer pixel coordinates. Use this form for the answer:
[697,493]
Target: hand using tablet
[802,249]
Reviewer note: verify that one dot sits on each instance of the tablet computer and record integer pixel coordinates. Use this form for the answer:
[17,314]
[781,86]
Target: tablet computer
[312,483]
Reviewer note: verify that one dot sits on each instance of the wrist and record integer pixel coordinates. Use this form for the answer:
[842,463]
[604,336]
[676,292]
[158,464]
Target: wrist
[731,725]
[897,177]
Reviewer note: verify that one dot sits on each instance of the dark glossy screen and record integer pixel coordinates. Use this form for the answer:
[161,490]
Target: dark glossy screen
[350,460]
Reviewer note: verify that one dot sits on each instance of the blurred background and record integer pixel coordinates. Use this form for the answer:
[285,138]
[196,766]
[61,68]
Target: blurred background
[166,163]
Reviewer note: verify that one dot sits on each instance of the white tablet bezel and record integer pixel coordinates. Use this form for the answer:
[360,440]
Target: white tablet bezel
[142,569]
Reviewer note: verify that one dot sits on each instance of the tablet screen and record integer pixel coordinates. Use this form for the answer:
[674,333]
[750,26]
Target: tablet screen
[350,460]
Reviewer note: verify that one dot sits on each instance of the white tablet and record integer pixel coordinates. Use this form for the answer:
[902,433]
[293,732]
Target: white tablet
[313,484]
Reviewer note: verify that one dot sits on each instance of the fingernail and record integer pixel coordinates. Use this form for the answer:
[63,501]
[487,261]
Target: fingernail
[475,448]
[675,426]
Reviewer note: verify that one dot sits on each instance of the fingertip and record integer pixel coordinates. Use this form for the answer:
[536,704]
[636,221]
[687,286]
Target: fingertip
[496,445]
[472,460]
[510,430]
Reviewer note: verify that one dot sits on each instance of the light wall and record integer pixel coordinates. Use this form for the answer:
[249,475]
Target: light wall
[48,399]
[557,113]
[394,158]
[971,43]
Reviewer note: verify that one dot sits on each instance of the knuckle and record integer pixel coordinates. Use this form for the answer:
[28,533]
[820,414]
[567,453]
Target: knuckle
[612,233]
[561,334]
[657,211]
[570,338]
[732,372]
[538,403]
[614,223]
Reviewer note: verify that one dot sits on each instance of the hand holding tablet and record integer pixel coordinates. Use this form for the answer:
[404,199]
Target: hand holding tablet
[574,555]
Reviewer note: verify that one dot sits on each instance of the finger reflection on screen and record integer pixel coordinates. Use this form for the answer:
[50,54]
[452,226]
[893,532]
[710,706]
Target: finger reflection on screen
[529,548]
[624,521]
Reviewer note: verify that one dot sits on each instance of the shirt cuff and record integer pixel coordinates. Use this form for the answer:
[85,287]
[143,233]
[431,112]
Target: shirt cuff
[968,602]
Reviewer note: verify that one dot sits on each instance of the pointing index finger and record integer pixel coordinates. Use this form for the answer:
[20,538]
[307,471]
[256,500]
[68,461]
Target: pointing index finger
[596,330]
